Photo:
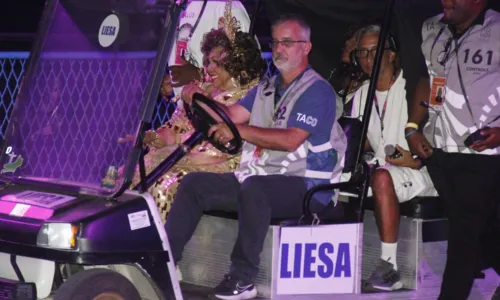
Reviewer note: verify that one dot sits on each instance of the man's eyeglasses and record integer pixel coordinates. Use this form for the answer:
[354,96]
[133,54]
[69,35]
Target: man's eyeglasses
[363,53]
[284,43]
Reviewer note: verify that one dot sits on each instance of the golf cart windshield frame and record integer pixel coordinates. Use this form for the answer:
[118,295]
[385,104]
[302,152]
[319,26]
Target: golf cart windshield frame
[147,104]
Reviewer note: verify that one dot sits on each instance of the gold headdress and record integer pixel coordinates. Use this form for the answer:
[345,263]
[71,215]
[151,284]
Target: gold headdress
[229,23]
[231,26]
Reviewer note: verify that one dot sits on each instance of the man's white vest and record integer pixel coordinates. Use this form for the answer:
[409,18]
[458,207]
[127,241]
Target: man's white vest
[266,114]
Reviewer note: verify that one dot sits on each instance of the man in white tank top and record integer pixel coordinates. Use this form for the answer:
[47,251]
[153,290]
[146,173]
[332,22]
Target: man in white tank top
[401,177]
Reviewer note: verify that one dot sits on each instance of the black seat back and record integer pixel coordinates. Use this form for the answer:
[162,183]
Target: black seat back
[352,129]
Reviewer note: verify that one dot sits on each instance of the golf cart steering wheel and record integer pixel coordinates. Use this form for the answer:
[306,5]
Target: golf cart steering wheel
[202,121]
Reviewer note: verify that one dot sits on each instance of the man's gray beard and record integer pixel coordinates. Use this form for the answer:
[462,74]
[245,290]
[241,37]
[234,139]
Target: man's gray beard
[278,64]
[285,66]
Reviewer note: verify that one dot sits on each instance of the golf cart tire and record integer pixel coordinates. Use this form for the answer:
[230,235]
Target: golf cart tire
[88,284]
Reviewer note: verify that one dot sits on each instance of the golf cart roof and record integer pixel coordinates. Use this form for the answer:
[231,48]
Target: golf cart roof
[86,87]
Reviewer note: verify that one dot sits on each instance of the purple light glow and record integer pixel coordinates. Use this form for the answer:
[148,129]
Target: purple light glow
[81,97]
[34,212]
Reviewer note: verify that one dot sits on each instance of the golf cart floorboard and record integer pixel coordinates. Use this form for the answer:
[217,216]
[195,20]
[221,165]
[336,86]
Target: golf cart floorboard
[482,290]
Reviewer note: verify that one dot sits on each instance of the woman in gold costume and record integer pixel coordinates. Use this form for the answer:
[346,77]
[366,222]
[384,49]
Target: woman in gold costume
[233,65]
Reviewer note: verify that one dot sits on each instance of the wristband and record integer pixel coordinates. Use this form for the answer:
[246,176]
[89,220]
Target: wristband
[422,162]
[410,133]
[411,125]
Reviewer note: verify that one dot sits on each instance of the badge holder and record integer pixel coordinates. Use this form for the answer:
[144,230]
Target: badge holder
[437,96]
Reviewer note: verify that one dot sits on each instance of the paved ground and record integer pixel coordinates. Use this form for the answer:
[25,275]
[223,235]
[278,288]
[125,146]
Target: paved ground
[483,290]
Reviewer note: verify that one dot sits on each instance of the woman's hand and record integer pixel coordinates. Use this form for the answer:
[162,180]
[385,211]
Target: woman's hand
[167,135]
[419,144]
[166,87]
[154,139]
[189,90]
[349,46]
[185,73]
[406,159]
[221,133]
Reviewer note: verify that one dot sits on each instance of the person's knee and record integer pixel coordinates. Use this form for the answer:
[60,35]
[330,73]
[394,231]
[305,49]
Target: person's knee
[253,202]
[382,181]
[252,189]
[188,184]
[253,184]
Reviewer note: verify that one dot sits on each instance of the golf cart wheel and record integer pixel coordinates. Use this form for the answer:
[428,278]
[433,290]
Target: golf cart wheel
[97,284]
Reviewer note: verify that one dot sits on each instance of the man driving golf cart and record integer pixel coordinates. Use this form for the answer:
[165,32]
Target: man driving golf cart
[292,142]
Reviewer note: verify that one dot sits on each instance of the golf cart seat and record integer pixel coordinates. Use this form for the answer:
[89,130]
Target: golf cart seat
[329,215]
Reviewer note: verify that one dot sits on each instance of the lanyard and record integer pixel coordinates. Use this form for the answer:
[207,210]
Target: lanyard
[462,86]
[277,96]
[277,111]
[435,41]
[198,19]
[384,109]
[193,29]
[460,79]
[278,103]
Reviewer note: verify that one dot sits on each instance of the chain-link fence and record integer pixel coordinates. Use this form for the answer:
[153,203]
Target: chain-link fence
[73,110]
[13,65]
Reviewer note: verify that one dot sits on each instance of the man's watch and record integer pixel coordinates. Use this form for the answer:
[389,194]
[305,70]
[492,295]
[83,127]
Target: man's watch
[422,162]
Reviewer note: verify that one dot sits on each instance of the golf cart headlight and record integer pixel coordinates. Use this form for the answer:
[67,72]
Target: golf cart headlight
[57,235]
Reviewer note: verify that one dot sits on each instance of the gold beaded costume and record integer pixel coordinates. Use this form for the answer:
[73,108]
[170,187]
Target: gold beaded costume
[204,157]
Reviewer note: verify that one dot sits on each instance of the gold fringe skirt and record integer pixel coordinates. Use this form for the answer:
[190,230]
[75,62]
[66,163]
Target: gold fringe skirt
[204,159]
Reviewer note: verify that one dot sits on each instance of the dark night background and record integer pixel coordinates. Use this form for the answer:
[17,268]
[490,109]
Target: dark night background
[329,19]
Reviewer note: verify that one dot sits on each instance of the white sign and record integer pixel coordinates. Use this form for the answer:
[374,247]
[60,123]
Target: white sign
[19,210]
[318,259]
[139,220]
[41,199]
[108,32]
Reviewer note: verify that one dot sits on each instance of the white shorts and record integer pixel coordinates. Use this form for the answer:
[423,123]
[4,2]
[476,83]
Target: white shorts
[408,183]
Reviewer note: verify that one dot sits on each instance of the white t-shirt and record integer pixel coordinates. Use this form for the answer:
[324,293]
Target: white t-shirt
[395,118]
[214,10]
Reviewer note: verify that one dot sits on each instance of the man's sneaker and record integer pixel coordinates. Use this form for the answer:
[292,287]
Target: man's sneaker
[385,278]
[231,288]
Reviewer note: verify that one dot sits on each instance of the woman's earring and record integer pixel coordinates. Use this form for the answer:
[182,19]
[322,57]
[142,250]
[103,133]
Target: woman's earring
[235,82]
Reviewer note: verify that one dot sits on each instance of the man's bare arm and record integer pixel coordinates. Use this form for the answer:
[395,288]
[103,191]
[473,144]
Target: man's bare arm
[416,112]
[236,112]
[288,139]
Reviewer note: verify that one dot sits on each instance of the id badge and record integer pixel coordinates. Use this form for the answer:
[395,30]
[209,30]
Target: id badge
[258,152]
[180,51]
[437,91]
